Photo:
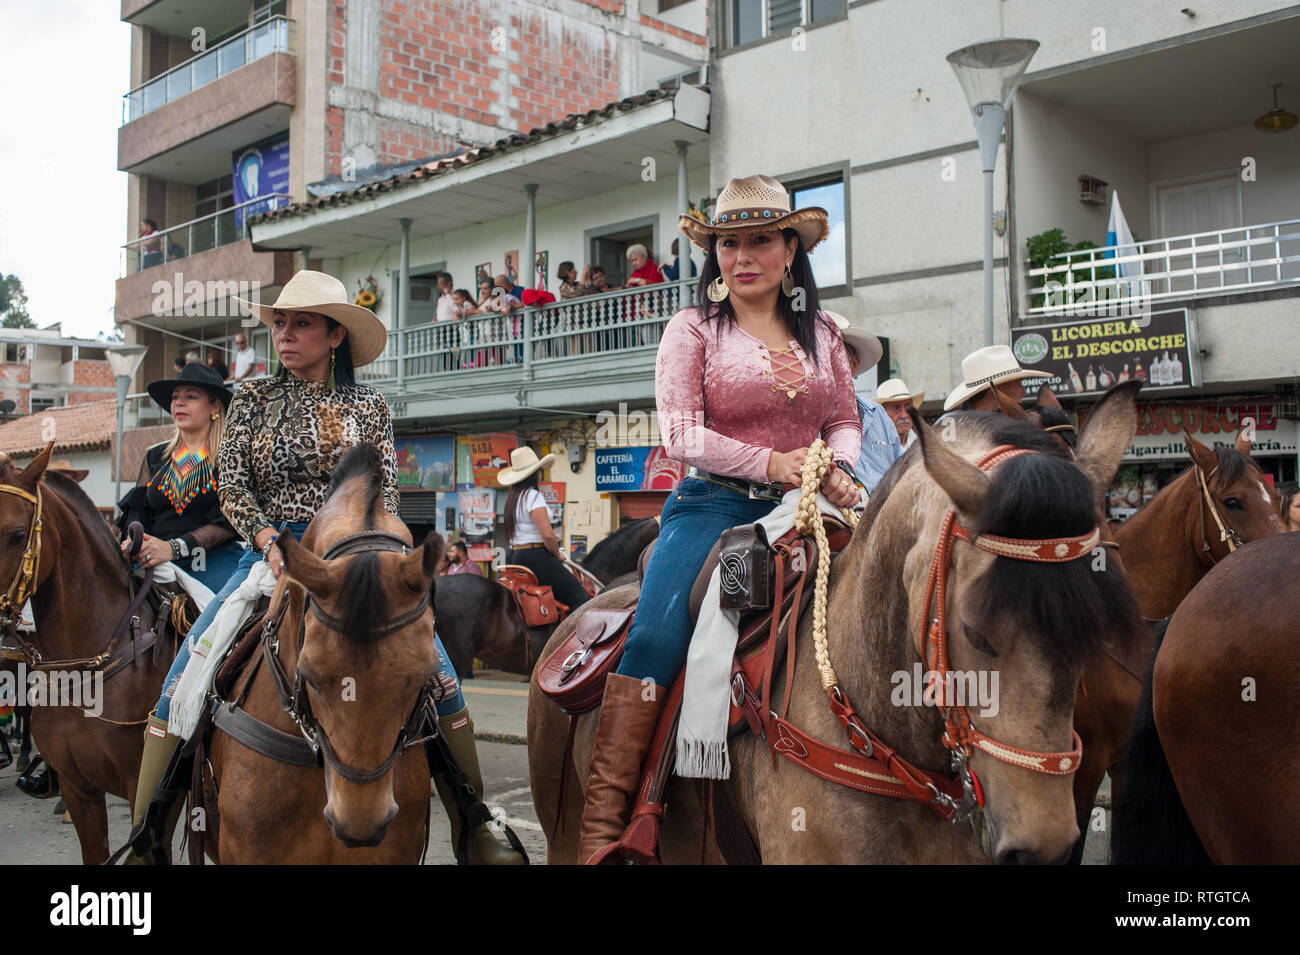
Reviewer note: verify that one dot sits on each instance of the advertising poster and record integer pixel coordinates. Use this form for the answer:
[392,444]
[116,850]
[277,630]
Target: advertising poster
[482,273]
[541,268]
[260,170]
[637,469]
[554,494]
[476,521]
[426,462]
[488,454]
[512,266]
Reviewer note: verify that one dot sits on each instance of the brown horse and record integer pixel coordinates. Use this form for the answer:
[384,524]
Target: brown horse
[360,660]
[1214,763]
[81,593]
[1035,623]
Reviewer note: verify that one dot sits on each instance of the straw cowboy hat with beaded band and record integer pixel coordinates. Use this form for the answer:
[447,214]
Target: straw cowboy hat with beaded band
[756,204]
[523,462]
[990,365]
[323,294]
[895,389]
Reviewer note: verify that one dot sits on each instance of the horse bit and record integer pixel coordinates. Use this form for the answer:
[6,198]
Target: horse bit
[293,692]
[21,588]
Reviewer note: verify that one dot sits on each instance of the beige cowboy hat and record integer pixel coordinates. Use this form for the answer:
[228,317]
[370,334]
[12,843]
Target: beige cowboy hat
[757,204]
[895,389]
[991,364]
[860,340]
[523,462]
[310,291]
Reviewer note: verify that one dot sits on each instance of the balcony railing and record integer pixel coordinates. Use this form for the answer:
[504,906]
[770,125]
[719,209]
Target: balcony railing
[532,341]
[197,235]
[269,36]
[1249,258]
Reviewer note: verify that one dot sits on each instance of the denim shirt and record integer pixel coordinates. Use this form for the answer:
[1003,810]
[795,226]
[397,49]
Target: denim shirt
[880,446]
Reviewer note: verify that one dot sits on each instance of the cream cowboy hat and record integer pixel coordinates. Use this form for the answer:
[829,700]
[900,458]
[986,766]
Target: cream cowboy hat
[310,291]
[991,364]
[523,462]
[860,340]
[757,204]
[895,389]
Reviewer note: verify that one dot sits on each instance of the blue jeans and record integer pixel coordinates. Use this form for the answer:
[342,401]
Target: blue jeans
[452,702]
[694,516]
[218,565]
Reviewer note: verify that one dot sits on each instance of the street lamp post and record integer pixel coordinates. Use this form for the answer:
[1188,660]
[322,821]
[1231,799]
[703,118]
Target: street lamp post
[123,362]
[989,74]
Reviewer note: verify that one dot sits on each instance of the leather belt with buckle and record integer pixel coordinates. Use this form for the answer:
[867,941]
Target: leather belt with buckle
[750,489]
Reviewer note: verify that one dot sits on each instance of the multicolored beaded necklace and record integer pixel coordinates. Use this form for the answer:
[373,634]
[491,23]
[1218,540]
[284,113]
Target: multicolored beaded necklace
[187,475]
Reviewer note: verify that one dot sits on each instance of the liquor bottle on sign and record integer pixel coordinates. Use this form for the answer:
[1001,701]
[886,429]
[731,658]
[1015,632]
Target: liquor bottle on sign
[1157,371]
[1074,377]
[1177,368]
[1166,369]
[1123,375]
[1137,370]
[1090,381]
[1104,378]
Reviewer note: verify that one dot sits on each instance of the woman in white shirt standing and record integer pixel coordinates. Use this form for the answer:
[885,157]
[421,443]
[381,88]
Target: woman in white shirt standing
[528,527]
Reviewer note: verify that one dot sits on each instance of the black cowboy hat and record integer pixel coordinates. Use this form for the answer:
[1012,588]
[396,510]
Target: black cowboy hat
[195,373]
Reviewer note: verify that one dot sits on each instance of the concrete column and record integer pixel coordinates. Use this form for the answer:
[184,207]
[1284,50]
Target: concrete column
[401,318]
[527,265]
[684,245]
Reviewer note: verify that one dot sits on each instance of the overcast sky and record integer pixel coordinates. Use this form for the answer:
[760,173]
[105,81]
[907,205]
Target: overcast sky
[64,67]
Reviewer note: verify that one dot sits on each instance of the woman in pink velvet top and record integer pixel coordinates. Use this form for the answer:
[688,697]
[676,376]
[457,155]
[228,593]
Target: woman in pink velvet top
[744,383]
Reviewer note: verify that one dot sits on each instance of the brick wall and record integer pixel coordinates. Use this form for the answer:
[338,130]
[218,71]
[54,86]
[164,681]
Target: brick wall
[15,385]
[461,70]
[92,373]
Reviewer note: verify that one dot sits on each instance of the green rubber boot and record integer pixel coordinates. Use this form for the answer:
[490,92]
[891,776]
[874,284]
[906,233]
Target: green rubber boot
[159,747]
[484,847]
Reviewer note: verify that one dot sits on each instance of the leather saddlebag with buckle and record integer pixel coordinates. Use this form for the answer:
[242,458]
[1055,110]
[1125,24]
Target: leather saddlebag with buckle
[574,675]
[536,601]
[745,568]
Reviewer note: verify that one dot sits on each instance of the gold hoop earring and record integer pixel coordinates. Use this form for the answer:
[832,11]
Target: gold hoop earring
[787,282]
[717,290]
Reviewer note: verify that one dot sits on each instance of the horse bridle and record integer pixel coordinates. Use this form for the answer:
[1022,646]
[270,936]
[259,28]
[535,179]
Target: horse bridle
[22,588]
[1227,533]
[293,692]
[960,736]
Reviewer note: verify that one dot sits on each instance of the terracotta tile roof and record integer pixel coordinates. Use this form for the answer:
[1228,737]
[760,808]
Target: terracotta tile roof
[81,427]
[445,165]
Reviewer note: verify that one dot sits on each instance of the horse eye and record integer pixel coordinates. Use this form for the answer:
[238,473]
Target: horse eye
[17,538]
[1233,504]
[979,641]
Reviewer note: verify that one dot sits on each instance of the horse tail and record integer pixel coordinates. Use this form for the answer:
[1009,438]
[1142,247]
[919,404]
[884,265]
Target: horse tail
[1149,825]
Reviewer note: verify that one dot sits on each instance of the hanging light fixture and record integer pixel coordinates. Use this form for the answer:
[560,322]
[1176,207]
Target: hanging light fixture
[1276,120]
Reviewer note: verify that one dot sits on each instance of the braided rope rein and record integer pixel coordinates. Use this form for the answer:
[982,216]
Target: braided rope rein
[808,520]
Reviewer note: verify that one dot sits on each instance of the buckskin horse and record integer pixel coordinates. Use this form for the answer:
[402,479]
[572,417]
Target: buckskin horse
[1212,762]
[79,587]
[479,618]
[1034,621]
[347,657]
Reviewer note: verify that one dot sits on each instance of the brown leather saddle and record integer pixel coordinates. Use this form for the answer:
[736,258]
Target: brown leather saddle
[535,600]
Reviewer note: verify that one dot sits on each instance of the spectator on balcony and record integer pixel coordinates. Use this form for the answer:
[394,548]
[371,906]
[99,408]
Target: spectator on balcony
[178,363]
[594,281]
[484,296]
[446,303]
[245,358]
[150,250]
[673,272]
[191,355]
[504,299]
[216,362]
[567,273]
[644,271]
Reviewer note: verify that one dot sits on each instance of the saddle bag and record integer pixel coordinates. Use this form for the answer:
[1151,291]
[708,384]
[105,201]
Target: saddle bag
[574,675]
[536,601]
[745,568]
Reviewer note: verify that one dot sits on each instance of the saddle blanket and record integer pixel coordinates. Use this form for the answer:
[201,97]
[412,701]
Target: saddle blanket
[706,700]
[209,649]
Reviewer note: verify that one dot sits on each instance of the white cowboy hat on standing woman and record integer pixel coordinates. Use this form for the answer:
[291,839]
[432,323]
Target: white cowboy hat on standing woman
[323,294]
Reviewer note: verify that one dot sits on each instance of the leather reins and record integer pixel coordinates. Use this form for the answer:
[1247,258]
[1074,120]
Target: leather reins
[1227,533]
[293,691]
[22,587]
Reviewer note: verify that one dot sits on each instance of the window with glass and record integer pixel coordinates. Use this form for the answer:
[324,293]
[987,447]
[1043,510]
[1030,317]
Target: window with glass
[213,196]
[755,19]
[830,259]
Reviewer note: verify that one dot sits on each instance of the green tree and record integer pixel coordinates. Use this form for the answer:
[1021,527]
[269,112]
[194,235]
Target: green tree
[13,303]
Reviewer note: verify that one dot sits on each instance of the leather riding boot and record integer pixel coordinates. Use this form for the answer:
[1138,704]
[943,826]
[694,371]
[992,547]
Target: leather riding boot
[159,807]
[623,735]
[484,847]
[38,779]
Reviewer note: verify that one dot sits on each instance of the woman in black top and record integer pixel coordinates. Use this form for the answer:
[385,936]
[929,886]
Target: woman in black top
[175,499]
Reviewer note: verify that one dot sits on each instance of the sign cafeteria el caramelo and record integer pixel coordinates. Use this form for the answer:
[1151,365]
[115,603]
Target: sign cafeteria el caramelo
[1088,357]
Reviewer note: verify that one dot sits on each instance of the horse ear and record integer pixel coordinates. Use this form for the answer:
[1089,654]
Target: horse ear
[1047,398]
[1106,436]
[1243,443]
[421,567]
[962,481]
[1202,456]
[302,565]
[31,475]
[1008,407]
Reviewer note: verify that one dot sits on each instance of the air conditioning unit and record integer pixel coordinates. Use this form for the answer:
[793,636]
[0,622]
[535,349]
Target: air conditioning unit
[1092,190]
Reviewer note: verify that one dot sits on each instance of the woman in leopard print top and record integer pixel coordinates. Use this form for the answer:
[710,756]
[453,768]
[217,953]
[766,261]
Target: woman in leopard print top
[284,437]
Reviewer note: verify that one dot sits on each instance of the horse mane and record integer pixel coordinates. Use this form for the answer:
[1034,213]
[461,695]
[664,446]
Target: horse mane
[362,599]
[1041,497]
[88,516]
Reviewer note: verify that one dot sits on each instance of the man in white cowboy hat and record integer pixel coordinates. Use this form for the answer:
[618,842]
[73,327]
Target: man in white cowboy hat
[880,444]
[990,365]
[895,397]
